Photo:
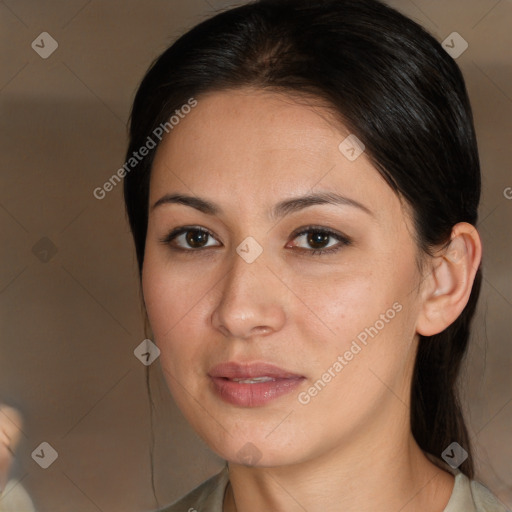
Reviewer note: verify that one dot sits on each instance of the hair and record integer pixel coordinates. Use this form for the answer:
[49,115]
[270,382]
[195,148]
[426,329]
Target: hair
[393,85]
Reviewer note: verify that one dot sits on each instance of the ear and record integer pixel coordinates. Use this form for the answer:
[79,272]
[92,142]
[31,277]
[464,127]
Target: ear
[448,286]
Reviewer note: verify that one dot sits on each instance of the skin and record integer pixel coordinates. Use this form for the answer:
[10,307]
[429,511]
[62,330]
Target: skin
[10,419]
[350,448]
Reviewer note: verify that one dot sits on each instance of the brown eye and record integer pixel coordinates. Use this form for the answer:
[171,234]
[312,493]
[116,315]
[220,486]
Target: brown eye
[196,238]
[318,240]
[188,238]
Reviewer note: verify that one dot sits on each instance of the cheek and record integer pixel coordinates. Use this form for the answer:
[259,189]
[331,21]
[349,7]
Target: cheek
[371,303]
[176,304]
[169,294]
[344,302]
[370,350]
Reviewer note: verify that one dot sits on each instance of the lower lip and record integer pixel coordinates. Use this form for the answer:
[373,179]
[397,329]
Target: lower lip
[253,395]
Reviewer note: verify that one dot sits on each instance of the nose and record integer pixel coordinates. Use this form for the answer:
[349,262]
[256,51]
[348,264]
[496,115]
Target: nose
[252,301]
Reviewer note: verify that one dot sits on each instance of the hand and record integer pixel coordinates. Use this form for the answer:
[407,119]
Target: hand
[10,430]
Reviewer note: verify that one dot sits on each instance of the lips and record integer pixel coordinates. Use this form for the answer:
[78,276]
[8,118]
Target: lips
[234,370]
[252,384]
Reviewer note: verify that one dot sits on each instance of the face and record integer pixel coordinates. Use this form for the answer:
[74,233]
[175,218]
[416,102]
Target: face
[280,280]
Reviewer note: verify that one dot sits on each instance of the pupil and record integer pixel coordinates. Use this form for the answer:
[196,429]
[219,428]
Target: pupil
[317,238]
[196,238]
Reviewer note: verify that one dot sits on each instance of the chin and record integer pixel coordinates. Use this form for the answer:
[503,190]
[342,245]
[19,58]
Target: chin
[256,450]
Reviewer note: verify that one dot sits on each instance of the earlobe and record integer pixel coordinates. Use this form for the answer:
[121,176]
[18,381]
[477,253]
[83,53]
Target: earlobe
[450,281]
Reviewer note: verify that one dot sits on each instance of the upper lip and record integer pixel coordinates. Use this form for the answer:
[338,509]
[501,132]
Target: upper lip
[234,370]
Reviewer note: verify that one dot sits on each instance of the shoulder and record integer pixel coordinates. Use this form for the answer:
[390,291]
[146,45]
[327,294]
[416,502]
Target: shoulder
[485,500]
[471,496]
[206,497]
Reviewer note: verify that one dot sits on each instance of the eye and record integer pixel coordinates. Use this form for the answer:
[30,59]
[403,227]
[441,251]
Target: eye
[320,240]
[188,238]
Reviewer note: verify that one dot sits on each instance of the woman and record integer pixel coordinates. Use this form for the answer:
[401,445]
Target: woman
[302,191]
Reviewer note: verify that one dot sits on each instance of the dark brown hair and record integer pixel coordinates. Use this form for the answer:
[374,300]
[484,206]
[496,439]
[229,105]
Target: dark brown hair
[393,86]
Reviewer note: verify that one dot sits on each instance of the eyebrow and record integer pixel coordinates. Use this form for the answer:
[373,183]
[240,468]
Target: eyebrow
[280,209]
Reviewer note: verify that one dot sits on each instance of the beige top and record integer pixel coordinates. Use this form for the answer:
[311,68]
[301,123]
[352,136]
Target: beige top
[15,498]
[467,496]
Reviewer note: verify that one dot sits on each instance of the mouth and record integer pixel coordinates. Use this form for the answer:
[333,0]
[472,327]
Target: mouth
[252,384]
[255,380]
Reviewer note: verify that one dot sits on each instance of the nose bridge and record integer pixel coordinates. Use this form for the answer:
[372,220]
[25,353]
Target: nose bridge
[248,302]
[245,281]
[247,261]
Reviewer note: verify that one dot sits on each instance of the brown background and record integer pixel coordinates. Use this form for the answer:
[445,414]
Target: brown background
[70,324]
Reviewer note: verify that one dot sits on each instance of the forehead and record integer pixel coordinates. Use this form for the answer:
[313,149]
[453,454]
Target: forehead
[249,145]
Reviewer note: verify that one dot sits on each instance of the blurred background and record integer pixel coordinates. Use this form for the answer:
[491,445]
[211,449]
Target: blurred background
[69,295]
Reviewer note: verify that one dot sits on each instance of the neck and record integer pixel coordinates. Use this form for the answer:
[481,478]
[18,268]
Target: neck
[372,473]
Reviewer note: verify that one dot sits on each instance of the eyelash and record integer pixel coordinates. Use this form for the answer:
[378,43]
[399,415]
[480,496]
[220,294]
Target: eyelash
[344,241]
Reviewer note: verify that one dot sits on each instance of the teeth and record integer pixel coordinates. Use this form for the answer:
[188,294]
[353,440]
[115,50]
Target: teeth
[254,380]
